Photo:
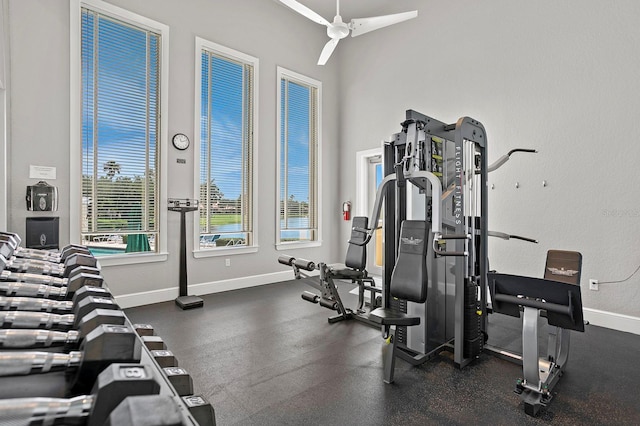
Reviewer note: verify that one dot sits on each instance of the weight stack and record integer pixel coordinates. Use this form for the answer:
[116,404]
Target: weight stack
[472,322]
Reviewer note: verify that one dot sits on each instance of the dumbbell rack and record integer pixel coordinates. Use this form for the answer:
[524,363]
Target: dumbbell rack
[48,385]
[193,409]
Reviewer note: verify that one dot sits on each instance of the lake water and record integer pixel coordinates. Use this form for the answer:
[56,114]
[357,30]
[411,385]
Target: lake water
[294,222]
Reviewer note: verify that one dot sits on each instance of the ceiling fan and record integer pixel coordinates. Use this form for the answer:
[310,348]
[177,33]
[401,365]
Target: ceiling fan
[338,30]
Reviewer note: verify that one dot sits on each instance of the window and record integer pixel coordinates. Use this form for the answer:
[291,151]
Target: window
[298,158]
[119,129]
[226,117]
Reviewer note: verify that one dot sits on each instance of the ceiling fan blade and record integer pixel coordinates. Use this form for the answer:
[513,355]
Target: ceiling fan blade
[327,51]
[361,26]
[306,12]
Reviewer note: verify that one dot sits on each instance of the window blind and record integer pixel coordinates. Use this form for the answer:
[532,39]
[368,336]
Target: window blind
[298,161]
[226,151]
[120,130]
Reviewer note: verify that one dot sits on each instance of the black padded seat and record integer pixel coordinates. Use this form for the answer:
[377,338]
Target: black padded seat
[409,281]
[356,259]
[347,273]
[391,317]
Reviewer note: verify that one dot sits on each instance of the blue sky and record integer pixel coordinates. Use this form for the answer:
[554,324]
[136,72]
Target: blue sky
[122,117]
[122,90]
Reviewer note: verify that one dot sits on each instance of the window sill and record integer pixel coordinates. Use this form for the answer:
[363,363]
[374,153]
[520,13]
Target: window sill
[223,251]
[131,259]
[298,245]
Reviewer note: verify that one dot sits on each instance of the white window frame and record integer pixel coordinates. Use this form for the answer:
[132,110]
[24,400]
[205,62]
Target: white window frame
[75,186]
[307,81]
[200,44]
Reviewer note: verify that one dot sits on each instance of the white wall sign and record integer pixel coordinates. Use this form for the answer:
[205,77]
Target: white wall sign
[42,172]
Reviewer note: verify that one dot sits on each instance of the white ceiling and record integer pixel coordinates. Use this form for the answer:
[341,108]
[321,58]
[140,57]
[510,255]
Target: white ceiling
[350,9]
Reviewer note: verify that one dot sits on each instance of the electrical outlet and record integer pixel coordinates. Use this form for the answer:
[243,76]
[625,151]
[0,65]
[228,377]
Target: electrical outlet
[593,285]
[227,262]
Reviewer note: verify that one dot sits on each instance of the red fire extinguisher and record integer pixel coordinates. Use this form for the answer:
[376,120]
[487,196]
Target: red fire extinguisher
[346,210]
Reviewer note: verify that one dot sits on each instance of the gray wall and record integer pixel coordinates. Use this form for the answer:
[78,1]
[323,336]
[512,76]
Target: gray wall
[39,114]
[560,77]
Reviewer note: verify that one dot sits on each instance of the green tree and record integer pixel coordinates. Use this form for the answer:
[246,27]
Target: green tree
[111,168]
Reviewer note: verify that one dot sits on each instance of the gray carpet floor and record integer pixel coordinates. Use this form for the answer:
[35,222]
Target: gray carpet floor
[262,356]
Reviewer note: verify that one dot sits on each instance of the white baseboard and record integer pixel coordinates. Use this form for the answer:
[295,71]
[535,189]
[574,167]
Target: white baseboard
[612,320]
[168,294]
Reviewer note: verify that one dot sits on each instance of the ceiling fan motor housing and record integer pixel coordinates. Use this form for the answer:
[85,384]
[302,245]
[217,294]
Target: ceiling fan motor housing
[338,29]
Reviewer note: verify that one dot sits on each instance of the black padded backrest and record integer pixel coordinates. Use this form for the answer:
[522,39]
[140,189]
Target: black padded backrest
[534,290]
[563,266]
[409,277]
[357,254]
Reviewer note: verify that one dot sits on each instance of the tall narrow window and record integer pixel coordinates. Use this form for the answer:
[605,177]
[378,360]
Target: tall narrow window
[226,136]
[298,168]
[120,134]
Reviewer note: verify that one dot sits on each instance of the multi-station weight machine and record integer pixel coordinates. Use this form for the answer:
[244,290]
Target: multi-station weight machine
[435,199]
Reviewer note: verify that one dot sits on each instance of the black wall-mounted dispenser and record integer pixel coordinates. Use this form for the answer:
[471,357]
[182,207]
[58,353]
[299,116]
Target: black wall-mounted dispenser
[42,197]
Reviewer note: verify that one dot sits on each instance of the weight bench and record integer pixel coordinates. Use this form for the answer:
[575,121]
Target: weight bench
[408,282]
[354,269]
[558,298]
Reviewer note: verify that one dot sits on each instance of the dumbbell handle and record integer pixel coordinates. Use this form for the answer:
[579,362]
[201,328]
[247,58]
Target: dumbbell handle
[23,277]
[32,290]
[41,320]
[36,263]
[34,304]
[36,338]
[47,257]
[25,363]
[46,411]
[26,267]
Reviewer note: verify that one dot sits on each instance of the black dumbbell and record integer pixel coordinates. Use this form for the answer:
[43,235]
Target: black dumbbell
[45,268]
[61,322]
[161,410]
[200,409]
[180,380]
[23,263]
[111,387]
[147,410]
[153,343]
[49,255]
[38,304]
[144,329]
[27,289]
[105,345]
[83,275]
[20,338]
[164,358]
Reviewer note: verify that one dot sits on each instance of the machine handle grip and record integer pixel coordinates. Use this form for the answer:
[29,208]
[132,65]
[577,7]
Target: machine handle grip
[531,151]
[454,237]
[438,237]
[366,240]
[530,240]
